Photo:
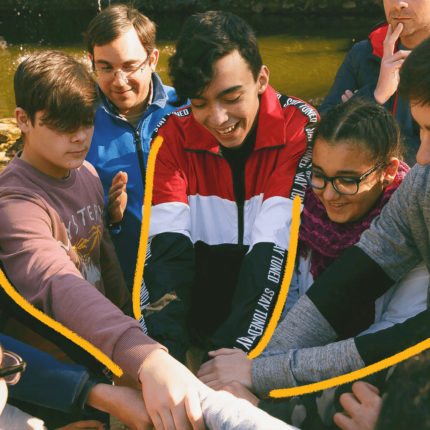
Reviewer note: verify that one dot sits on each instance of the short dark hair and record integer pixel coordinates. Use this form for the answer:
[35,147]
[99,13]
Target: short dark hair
[415,75]
[363,123]
[407,401]
[58,85]
[204,39]
[116,20]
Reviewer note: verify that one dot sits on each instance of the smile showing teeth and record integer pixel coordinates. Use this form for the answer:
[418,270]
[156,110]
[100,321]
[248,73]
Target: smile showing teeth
[228,130]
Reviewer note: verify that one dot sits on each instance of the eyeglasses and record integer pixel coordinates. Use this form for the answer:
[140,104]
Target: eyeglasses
[108,73]
[346,185]
[12,366]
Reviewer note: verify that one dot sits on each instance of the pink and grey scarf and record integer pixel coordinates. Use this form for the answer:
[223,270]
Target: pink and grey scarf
[328,239]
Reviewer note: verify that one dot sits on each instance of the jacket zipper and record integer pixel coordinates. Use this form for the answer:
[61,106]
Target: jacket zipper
[140,157]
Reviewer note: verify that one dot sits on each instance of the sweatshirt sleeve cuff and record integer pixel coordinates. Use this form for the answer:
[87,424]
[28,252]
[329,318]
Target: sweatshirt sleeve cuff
[132,349]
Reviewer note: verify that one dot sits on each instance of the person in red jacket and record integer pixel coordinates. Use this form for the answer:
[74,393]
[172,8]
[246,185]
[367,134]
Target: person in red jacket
[224,183]
[371,68]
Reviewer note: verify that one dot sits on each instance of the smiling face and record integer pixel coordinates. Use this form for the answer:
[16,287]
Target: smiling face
[51,152]
[346,159]
[129,94]
[228,107]
[415,17]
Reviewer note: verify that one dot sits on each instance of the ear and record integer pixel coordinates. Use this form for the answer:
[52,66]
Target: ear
[390,171]
[263,79]
[91,57]
[153,59]
[22,119]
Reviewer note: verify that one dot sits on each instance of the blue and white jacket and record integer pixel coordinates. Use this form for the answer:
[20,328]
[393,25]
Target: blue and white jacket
[116,146]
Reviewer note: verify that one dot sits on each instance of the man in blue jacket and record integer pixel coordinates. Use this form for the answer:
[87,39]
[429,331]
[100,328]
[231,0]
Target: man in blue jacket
[121,46]
[371,68]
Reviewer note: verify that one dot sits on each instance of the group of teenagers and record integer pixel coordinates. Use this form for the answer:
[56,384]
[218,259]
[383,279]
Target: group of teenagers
[234,155]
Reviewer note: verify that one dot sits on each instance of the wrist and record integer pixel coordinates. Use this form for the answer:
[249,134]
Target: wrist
[379,97]
[99,397]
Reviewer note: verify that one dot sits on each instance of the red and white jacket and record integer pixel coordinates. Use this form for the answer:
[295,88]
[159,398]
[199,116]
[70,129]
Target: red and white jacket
[223,256]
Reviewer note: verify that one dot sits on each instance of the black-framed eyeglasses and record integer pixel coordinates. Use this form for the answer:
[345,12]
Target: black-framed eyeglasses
[108,73]
[346,185]
[12,365]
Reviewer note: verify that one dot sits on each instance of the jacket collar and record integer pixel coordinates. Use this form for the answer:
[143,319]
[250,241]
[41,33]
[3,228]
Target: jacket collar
[159,97]
[270,127]
[377,37]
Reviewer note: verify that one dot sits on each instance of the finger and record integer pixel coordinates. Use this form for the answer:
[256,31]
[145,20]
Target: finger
[115,189]
[365,393]
[124,177]
[114,195]
[391,39]
[350,403]
[207,377]
[402,54]
[206,367]
[343,421]
[117,177]
[194,411]
[216,384]
[223,351]
[156,421]
[178,418]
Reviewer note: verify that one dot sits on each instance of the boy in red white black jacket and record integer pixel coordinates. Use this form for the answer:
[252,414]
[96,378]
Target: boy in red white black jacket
[225,179]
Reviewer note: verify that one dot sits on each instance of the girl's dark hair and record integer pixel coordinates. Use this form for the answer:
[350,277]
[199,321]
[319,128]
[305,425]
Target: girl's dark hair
[362,123]
[204,39]
[58,85]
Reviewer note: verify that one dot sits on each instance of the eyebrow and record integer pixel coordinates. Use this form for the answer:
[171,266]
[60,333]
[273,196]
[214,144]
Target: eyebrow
[339,172]
[222,93]
[109,64]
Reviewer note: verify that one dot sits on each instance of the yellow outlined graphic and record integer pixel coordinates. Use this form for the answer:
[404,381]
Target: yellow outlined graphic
[352,376]
[286,280]
[50,322]
[144,230]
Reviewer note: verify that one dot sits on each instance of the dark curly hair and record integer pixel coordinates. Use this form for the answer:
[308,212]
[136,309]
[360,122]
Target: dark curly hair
[363,123]
[204,39]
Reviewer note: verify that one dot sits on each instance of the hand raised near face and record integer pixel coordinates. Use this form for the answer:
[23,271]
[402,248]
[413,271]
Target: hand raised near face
[389,73]
[117,197]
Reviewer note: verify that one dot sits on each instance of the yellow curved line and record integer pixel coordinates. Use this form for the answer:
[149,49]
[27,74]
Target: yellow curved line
[50,322]
[286,280]
[352,376]
[144,230]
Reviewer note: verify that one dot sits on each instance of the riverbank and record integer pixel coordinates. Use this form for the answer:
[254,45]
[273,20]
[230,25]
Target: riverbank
[10,142]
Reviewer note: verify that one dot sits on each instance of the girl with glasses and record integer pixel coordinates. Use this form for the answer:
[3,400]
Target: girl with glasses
[356,168]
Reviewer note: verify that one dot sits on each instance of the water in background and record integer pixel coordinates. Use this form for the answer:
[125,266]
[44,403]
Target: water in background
[302,53]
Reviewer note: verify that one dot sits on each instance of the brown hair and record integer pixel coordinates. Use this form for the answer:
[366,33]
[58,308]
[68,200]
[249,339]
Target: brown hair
[58,85]
[116,20]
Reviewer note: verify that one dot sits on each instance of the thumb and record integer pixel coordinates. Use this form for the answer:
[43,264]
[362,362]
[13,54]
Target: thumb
[124,177]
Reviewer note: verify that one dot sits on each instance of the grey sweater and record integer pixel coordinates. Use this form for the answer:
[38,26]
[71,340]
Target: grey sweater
[301,350]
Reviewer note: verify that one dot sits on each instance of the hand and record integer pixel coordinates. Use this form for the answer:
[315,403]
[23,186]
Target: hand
[389,75]
[227,365]
[171,393]
[123,402]
[347,95]
[238,390]
[117,197]
[92,424]
[362,408]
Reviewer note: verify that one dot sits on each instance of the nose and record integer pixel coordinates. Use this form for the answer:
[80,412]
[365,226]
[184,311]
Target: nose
[217,115]
[121,75]
[423,154]
[329,193]
[400,4]
[81,135]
